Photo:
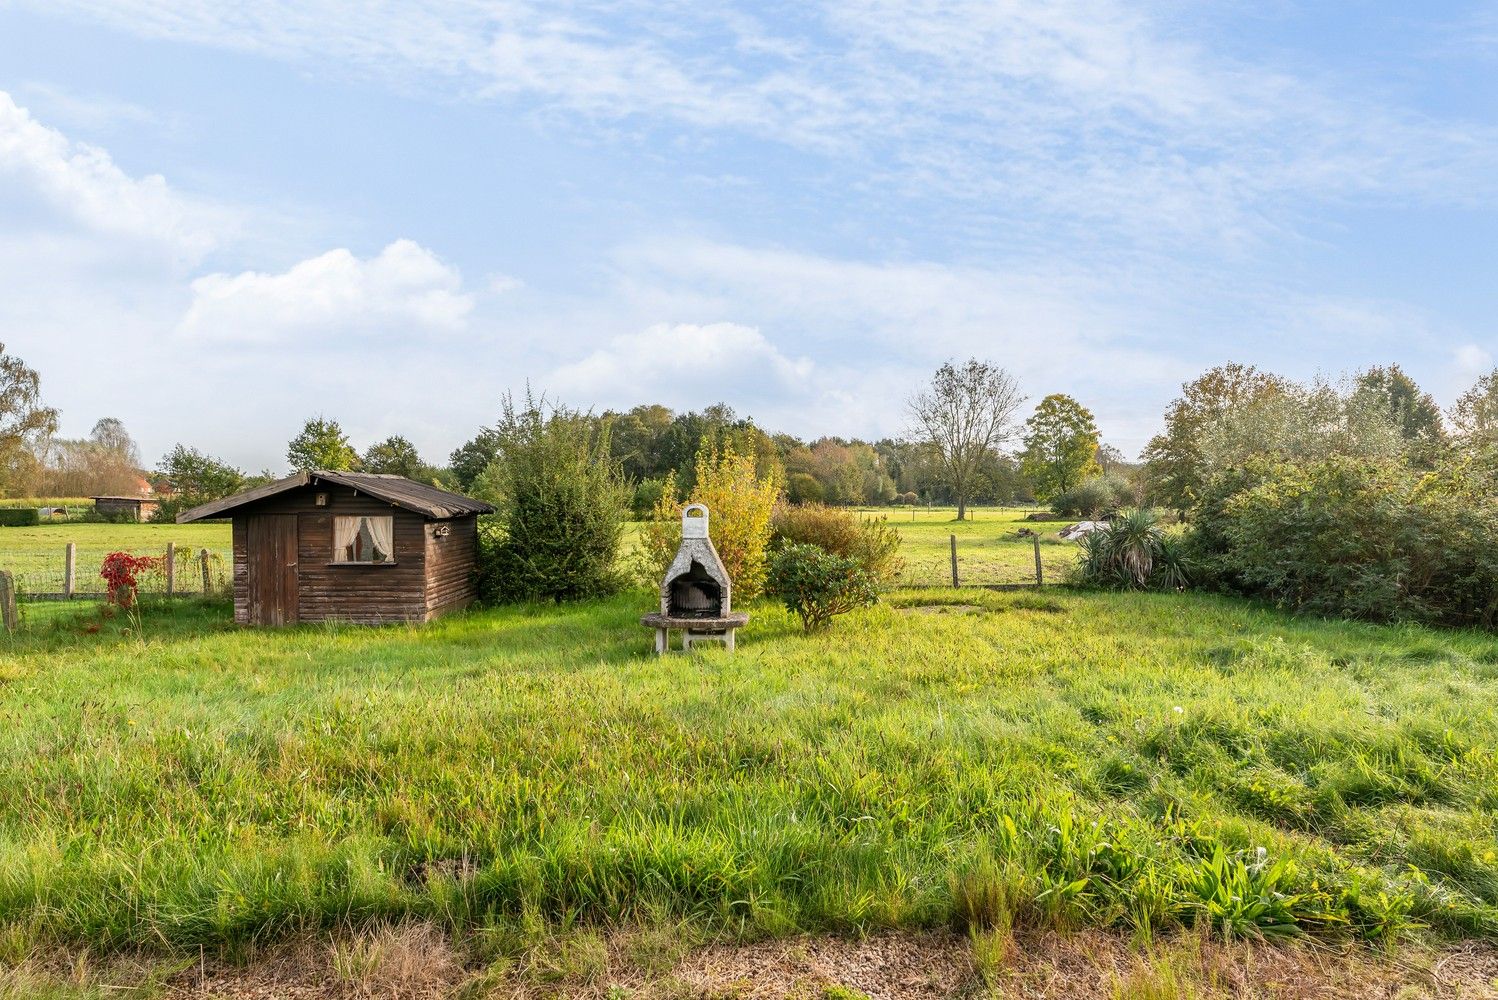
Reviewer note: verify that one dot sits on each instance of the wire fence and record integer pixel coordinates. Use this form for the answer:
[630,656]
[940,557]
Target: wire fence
[72,571]
[987,562]
[991,547]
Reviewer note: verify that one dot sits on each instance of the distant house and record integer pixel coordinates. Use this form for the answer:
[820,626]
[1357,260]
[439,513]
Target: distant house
[348,546]
[136,508]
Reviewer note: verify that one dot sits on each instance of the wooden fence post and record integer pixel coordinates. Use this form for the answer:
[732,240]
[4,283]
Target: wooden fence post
[9,620]
[171,568]
[954,559]
[69,570]
[1039,572]
[207,576]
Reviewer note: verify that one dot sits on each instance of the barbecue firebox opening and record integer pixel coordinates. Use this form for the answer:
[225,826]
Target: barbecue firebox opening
[695,594]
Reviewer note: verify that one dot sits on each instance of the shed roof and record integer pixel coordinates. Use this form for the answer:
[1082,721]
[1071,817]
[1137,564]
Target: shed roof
[428,501]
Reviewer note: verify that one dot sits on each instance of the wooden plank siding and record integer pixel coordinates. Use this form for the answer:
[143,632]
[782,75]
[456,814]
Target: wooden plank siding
[450,565]
[429,575]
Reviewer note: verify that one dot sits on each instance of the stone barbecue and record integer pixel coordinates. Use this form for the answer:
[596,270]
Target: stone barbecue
[696,594]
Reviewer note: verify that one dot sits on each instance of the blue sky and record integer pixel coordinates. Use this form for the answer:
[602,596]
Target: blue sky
[217,220]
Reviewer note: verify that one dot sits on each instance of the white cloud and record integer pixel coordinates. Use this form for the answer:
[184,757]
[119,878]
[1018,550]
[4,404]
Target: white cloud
[821,345]
[1047,118]
[677,363]
[81,184]
[404,290]
[89,111]
[1473,361]
[1038,318]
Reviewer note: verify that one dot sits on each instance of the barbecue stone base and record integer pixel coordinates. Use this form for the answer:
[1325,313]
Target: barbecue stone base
[694,630]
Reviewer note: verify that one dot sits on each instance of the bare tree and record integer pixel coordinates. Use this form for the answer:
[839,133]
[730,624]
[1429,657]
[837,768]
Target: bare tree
[966,414]
[106,462]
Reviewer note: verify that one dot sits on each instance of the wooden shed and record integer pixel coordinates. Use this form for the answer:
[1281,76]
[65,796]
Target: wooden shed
[126,508]
[348,546]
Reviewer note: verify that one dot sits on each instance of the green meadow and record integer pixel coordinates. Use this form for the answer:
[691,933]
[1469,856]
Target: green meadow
[971,758]
[990,549]
[36,554]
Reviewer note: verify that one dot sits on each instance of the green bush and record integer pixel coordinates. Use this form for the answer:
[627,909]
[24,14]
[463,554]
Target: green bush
[872,543]
[1099,496]
[647,497]
[817,585]
[1356,537]
[803,487]
[561,502]
[19,517]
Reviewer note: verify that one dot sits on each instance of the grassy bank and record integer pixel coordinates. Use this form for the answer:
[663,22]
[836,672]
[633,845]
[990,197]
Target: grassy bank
[1133,761]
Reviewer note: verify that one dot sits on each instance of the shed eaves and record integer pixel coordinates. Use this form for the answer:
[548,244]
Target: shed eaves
[420,498]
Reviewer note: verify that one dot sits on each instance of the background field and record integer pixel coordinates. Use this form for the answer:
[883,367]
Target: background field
[35,555]
[1056,759]
[989,549]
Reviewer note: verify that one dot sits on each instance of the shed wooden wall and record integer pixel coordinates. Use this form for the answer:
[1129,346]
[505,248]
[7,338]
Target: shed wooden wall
[429,576]
[450,563]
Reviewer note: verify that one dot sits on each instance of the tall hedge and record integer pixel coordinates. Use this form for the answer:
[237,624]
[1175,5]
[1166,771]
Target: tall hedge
[19,517]
[1363,538]
[562,504]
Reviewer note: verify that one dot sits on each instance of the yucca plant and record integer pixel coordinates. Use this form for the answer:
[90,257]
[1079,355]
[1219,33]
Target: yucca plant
[1133,552]
[1134,538]
[1172,564]
[1097,563]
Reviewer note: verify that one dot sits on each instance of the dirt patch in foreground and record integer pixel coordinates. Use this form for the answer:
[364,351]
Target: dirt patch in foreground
[1087,966]
[420,963]
[940,609]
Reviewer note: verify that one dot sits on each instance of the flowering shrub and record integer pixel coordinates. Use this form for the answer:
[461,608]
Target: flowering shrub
[119,573]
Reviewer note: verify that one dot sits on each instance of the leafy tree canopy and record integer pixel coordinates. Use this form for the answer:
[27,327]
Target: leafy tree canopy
[1475,413]
[24,422]
[1408,407]
[1061,446]
[395,456]
[321,445]
[1173,458]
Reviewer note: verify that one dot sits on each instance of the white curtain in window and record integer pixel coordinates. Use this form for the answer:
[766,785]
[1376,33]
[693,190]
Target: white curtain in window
[345,530]
[382,530]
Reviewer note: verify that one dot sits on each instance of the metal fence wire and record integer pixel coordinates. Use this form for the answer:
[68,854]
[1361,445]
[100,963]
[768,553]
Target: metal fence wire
[43,573]
[986,562]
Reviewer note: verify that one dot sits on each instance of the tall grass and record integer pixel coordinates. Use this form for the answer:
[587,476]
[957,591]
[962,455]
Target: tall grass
[1124,760]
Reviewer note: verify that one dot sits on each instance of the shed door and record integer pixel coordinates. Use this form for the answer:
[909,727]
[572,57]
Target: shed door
[271,544]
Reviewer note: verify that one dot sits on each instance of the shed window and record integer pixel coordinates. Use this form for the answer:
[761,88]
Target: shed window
[363,539]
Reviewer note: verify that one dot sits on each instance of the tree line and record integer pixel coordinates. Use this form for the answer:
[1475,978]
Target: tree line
[965,444]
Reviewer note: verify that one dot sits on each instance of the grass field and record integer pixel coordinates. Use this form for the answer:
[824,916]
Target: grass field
[950,757]
[989,549]
[35,555]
